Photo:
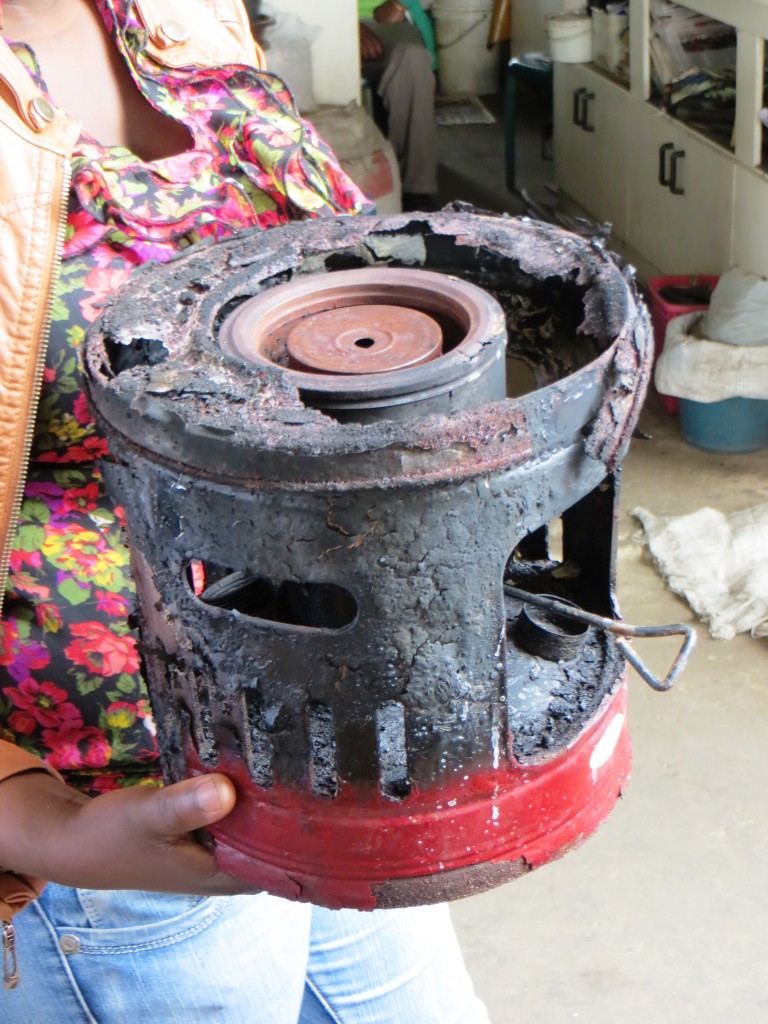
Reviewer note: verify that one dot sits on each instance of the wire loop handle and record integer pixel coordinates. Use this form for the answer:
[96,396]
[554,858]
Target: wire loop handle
[620,629]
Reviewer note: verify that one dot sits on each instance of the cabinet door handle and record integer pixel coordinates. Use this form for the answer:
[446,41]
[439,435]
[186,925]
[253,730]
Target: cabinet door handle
[578,96]
[664,178]
[674,188]
[585,113]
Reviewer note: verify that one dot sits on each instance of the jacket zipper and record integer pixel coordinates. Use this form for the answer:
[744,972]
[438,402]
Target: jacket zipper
[11,974]
[37,383]
[10,963]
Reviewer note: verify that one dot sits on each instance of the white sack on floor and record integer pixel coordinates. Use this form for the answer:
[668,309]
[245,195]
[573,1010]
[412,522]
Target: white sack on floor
[692,366]
[717,562]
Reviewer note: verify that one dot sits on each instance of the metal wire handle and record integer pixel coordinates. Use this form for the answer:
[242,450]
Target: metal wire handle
[621,629]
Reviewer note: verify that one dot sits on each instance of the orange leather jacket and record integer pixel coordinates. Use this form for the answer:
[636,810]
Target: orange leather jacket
[36,144]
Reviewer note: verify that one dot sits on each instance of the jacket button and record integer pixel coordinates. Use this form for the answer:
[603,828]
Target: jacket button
[41,112]
[173,31]
[69,944]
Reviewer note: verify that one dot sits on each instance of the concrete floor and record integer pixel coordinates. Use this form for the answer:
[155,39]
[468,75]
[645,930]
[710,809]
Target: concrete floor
[662,916]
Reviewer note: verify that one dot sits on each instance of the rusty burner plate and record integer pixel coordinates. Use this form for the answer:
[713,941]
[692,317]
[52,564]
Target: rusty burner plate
[367,338]
[375,341]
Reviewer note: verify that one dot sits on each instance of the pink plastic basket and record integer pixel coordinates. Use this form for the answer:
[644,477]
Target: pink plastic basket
[662,311]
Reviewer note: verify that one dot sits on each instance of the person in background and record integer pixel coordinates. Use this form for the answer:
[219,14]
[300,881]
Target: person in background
[397,51]
[129,131]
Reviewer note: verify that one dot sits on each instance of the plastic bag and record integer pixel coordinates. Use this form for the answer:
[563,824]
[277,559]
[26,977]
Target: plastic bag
[738,309]
[363,153]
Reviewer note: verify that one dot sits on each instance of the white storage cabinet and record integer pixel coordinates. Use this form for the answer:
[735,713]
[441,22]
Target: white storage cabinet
[679,203]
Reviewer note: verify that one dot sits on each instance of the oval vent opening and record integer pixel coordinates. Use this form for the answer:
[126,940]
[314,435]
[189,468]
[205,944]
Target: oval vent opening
[308,604]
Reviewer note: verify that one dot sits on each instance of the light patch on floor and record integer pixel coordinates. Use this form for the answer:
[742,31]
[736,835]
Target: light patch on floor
[467,111]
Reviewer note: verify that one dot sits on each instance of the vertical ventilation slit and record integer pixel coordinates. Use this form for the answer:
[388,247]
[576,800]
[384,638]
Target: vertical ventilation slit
[200,712]
[393,756]
[258,747]
[322,751]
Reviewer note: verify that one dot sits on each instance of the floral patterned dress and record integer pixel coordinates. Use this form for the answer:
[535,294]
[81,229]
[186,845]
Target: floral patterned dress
[71,690]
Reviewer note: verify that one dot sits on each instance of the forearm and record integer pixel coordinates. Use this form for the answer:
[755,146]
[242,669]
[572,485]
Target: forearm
[34,811]
[20,826]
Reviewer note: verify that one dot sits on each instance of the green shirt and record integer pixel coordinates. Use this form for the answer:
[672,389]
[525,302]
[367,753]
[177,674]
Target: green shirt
[365,8]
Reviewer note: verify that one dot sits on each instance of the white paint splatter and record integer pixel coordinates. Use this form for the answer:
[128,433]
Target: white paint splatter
[606,745]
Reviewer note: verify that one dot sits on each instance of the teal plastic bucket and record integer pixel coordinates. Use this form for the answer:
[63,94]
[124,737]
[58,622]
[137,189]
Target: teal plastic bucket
[732,425]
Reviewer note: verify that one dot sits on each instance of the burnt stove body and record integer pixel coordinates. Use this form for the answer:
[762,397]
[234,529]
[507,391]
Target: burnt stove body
[321,557]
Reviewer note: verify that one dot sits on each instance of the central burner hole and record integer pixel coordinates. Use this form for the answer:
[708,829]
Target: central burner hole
[365,342]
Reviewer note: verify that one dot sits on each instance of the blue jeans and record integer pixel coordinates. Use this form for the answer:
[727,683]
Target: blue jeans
[92,957]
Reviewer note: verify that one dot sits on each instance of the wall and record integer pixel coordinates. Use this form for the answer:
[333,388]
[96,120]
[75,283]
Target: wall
[335,52]
[529,26]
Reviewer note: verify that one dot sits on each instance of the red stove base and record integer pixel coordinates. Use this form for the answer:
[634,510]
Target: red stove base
[439,844]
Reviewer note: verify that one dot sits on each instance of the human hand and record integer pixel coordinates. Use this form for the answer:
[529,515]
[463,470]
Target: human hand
[370,45]
[134,838]
[391,12]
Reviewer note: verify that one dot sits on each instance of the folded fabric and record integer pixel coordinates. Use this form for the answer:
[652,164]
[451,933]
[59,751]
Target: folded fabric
[717,562]
[697,368]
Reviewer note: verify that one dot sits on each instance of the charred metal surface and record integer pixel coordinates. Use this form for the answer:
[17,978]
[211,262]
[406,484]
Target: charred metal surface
[549,698]
[352,634]
[449,885]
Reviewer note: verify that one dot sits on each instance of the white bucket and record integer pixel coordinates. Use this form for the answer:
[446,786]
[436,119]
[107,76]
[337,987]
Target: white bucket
[465,65]
[570,38]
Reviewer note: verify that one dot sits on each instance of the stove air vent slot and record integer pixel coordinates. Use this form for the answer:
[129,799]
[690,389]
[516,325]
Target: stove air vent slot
[304,604]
